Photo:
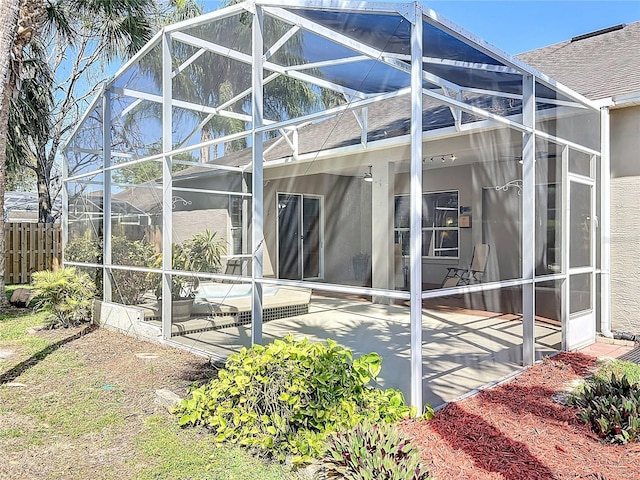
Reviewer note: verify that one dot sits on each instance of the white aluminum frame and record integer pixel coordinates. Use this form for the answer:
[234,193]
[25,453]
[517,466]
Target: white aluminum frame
[444,92]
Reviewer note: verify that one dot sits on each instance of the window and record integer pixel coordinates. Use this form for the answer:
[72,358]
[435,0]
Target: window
[439,224]
[235,214]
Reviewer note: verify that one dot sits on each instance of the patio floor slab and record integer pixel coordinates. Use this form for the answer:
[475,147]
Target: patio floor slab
[461,350]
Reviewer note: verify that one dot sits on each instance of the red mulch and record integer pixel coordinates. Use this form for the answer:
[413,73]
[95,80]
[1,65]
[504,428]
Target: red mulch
[516,431]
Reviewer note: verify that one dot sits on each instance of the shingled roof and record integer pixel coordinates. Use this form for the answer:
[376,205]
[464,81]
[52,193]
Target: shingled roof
[598,65]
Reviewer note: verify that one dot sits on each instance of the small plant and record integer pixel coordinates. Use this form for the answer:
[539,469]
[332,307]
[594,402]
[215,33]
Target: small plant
[66,294]
[611,406]
[285,398]
[378,452]
[200,253]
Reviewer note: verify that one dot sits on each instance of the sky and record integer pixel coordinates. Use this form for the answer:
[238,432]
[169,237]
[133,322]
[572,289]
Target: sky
[517,26]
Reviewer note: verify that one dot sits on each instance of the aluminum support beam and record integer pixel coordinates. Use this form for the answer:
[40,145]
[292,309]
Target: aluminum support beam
[167,184]
[257,184]
[477,111]
[528,220]
[88,112]
[65,203]
[605,224]
[188,61]
[246,205]
[129,92]
[357,46]
[106,199]
[244,58]
[564,251]
[479,44]
[415,225]
[226,104]
[280,43]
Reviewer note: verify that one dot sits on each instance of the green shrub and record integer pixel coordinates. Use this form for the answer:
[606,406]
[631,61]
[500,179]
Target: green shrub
[288,396]
[129,286]
[66,294]
[619,367]
[611,406]
[378,452]
[84,249]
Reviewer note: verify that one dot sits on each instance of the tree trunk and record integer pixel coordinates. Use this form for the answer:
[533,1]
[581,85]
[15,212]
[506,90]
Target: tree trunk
[205,136]
[44,200]
[9,10]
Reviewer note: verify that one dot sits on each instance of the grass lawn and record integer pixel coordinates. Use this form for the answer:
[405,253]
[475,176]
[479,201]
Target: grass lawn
[78,403]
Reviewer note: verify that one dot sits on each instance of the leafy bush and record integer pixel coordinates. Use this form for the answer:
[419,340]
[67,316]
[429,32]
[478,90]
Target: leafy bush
[66,293]
[619,367]
[128,286]
[611,406]
[288,396]
[84,249]
[378,452]
[201,253]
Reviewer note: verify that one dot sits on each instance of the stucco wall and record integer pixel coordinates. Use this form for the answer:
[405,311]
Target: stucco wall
[347,227]
[625,220]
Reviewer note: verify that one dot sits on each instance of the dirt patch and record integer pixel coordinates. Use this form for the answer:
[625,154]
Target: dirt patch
[6,353]
[517,431]
[103,366]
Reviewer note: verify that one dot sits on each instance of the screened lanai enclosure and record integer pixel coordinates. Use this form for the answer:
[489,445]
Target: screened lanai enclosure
[365,172]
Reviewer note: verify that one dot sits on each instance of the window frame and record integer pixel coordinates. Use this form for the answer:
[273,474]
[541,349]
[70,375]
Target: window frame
[431,224]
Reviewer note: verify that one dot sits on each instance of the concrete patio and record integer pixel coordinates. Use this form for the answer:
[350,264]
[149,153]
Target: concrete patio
[462,349]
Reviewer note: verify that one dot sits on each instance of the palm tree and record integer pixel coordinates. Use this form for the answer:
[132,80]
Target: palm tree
[30,124]
[117,27]
[9,14]
[215,80]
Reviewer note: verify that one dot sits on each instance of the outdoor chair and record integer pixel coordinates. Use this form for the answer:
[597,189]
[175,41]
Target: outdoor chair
[233,269]
[474,273]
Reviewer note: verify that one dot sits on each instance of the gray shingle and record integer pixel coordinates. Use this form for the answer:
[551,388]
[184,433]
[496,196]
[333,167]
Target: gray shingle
[598,67]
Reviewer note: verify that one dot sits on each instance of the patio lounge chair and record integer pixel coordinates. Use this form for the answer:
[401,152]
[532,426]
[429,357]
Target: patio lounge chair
[474,273]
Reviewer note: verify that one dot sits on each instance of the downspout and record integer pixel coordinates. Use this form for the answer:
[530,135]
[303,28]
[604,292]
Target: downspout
[605,224]
[606,105]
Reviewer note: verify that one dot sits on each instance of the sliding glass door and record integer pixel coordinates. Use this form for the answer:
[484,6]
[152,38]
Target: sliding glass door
[300,242]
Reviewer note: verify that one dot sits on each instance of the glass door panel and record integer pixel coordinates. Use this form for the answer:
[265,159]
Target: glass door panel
[580,220]
[289,210]
[581,324]
[311,237]
[299,236]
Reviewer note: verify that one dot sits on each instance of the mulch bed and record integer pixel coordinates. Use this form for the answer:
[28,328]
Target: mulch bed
[517,431]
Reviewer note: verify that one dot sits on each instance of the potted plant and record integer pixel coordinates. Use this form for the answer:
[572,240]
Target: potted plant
[200,253]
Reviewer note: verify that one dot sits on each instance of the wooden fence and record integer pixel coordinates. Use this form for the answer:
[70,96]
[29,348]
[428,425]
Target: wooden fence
[30,247]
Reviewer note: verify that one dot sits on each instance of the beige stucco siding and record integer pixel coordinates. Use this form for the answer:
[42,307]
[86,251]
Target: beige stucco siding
[625,220]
